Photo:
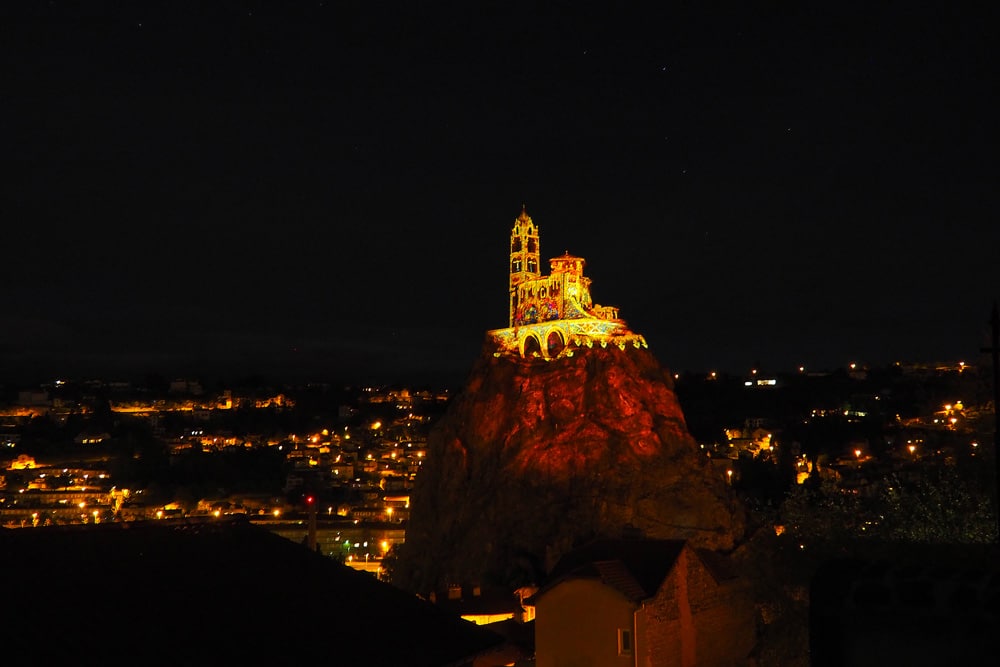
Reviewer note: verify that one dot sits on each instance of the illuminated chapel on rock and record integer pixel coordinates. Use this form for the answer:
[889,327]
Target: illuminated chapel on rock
[550,315]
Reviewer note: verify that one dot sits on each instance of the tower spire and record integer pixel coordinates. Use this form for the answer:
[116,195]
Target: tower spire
[524,256]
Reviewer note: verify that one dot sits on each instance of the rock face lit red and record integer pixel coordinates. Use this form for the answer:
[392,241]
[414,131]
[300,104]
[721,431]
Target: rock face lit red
[534,456]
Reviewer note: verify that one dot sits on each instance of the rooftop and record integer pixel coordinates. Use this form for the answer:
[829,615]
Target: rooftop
[210,593]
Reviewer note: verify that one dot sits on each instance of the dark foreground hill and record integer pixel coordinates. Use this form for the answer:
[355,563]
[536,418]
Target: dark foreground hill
[214,593]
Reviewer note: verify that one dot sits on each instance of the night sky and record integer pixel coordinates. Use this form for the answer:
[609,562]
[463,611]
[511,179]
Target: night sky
[327,188]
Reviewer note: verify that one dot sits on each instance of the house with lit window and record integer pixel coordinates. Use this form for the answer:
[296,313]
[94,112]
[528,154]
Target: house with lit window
[643,602]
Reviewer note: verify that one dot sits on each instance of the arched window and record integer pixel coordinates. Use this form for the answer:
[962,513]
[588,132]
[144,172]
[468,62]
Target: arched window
[531,245]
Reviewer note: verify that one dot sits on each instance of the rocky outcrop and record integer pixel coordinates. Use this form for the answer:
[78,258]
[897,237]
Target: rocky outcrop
[534,456]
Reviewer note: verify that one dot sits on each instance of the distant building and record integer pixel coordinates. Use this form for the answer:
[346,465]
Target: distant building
[182,386]
[479,607]
[33,397]
[22,462]
[934,368]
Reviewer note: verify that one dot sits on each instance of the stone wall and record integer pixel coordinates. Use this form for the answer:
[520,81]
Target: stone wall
[695,620]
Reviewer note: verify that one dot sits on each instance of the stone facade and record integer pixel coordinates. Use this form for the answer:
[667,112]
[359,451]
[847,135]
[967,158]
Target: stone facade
[673,612]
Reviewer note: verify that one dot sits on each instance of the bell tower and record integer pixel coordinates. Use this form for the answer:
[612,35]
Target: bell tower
[524,253]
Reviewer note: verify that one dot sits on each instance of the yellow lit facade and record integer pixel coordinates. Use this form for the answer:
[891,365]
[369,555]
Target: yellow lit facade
[552,314]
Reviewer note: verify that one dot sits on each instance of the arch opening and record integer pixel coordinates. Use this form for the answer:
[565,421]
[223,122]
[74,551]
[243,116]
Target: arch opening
[555,343]
[532,348]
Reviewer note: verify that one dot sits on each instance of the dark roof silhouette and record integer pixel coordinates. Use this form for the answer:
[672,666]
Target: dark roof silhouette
[213,593]
[634,567]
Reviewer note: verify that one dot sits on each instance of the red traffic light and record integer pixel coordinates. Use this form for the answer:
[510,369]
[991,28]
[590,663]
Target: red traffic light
[309,500]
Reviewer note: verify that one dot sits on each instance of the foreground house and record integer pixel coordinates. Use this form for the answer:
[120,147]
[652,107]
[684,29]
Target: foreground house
[642,602]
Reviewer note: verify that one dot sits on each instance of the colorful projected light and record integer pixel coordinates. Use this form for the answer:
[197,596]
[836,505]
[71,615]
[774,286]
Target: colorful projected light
[550,315]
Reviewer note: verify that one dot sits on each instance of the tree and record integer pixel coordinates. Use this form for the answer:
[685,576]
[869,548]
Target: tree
[938,504]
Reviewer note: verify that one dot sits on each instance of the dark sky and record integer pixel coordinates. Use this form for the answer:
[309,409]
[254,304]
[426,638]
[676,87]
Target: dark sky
[328,187]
